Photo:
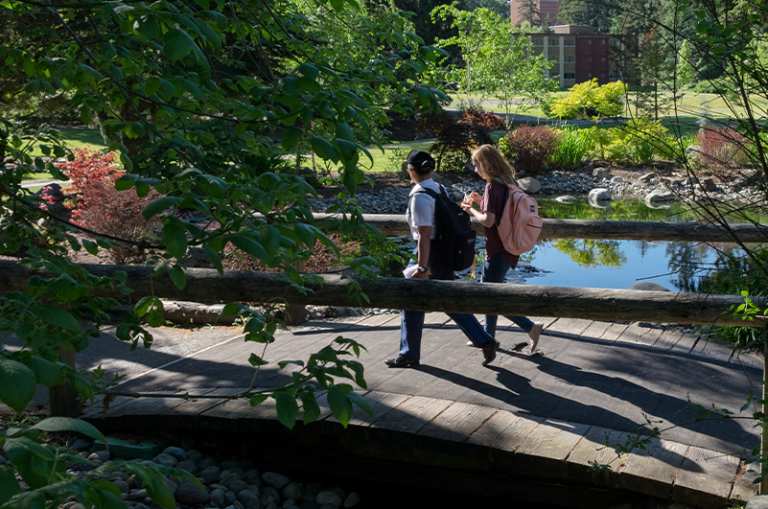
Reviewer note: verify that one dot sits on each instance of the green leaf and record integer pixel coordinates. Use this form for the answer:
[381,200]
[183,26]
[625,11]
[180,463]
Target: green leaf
[270,238]
[69,424]
[340,405]
[160,492]
[105,495]
[290,85]
[231,308]
[305,234]
[360,402]
[175,238]
[204,4]
[127,163]
[213,257]
[287,410]
[91,247]
[324,149]
[9,486]
[156,206]
[55,316]
[177,44]
[17,384]
[152,85]
[250,246]
[46,372]
[149,28]
[256,361]
[178,277]
[86,116]
[291,137]
[344,131]
[308,70]
[311,408]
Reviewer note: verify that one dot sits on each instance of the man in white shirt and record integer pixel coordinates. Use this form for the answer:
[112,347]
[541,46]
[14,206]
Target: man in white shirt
[421,219]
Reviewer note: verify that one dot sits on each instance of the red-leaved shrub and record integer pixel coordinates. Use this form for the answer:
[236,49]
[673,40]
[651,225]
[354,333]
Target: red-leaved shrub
[101,208]
[722,150]
[455,138]
[528,148]
[481,118]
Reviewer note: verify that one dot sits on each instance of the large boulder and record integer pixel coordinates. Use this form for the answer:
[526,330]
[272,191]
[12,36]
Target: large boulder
[566,199]
[644,179]
[599,194]
[601,173]
[660,195]
[529,184]
[648,287]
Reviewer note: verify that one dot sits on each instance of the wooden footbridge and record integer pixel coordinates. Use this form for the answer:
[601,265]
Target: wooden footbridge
[531,427]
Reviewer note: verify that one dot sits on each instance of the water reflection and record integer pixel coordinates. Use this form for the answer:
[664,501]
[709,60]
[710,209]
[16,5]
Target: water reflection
[619,263]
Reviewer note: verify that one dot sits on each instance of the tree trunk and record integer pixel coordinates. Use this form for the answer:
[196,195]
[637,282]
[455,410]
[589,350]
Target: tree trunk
[63,397]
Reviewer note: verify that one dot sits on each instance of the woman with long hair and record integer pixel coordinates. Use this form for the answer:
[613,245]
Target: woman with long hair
[492,167]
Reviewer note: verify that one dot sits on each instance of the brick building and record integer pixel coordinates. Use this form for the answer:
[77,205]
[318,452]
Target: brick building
[579,56]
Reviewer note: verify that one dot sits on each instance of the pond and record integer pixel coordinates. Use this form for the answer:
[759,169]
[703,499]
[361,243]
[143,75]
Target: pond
[616,264]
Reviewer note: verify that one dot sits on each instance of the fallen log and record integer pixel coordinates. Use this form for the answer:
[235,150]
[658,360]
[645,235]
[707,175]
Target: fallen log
[394,293]
[394,224]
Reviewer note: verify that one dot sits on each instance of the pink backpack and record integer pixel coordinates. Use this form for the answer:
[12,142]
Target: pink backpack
[520,224]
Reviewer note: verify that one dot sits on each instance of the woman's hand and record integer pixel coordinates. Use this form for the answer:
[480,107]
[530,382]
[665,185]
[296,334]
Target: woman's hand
[420,275]
[477,198]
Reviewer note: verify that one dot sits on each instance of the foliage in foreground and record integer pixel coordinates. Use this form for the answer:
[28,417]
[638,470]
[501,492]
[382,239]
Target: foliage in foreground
[195,97]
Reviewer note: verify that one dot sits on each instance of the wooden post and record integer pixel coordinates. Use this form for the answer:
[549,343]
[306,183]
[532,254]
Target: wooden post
[764,431]
[296,314]
[63,397]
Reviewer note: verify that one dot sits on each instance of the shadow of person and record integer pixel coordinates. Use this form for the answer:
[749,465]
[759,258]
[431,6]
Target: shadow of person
[517,395]
[677,417]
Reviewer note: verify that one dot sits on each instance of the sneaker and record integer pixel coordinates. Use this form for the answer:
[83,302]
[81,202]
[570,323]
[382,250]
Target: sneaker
[534,335]
[489,352]
[471,344]
[401,362]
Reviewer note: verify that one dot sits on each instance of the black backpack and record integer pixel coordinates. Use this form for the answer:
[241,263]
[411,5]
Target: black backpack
[454,238]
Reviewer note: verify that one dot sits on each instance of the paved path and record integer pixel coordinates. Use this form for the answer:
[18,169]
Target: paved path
[589,378]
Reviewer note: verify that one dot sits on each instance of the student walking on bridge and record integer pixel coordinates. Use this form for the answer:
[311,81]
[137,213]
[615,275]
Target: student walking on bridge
[491,166]
[421,219]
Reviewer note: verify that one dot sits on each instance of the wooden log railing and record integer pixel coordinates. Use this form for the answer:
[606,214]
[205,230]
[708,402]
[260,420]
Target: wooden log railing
[394,293]
[392,224]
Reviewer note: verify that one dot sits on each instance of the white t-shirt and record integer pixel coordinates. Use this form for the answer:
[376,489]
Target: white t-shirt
[422,209]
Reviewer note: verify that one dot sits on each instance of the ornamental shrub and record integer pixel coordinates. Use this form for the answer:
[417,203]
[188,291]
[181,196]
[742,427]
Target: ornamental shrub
[484,119]
[637,141]
[102,208]
[529,148]
[572,148]
[722,150]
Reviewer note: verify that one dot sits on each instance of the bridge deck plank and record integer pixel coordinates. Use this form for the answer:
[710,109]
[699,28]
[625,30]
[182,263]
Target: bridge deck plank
[504,431]
[544,451]
[599,447]
[595,330]
[706,478]
[640,335]
[614,331]
[652,470]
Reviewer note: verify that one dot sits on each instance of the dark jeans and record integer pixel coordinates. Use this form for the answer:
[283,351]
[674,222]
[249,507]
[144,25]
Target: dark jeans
[412,324]
[494,271]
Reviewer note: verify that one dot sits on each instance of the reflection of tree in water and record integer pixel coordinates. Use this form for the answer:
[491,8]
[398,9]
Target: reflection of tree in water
[686,260]
[592,253]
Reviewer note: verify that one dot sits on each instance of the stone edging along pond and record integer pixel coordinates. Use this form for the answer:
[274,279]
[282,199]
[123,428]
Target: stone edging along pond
[598,184]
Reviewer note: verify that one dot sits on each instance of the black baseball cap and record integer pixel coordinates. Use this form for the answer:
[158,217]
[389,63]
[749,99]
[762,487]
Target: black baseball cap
[421,161]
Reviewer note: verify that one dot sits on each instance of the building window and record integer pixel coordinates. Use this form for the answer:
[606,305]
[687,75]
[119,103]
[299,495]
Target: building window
[538,41]
[614,42]
[569,42]
[554,76]
[589,75]
[569,59]
[603,59]
[589,59]
[569,75]
[602,41]
[602,75]
[554,41]
[612,75]
[589,41]
[553,58]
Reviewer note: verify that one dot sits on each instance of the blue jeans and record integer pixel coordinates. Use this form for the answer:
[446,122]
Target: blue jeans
[494,271]
[412,324]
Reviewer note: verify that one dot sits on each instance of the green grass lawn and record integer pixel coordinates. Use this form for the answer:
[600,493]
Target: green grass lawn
[84,138]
